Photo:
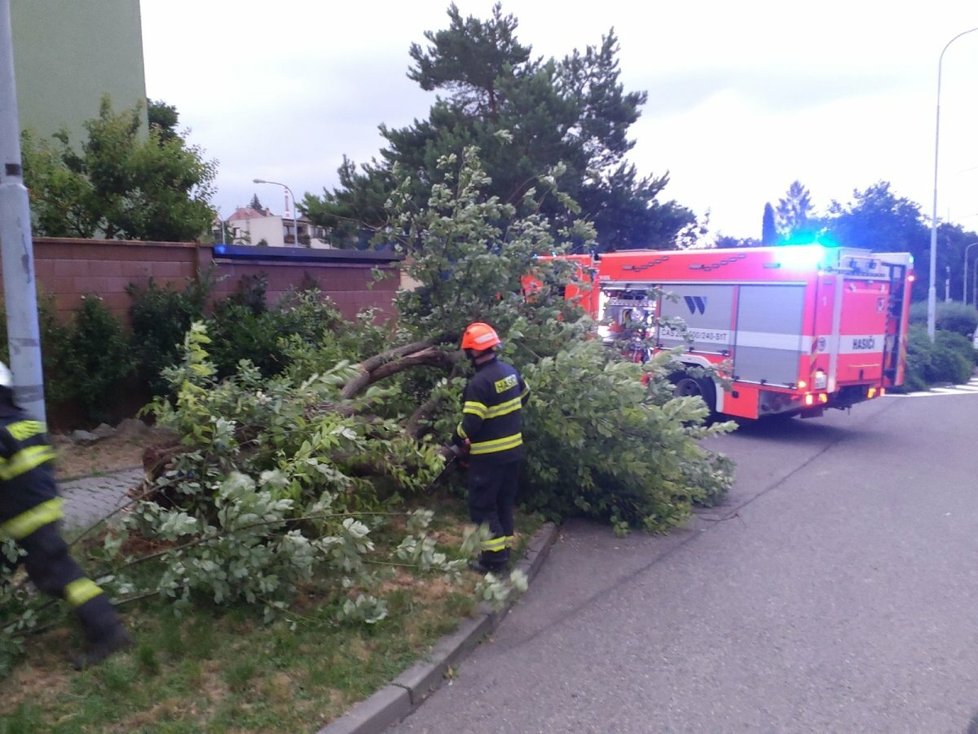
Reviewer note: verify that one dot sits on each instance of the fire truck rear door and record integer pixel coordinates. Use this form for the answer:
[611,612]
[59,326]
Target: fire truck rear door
[862,335]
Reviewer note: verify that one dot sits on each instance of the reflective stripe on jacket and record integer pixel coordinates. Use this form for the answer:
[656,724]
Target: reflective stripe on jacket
[28,493]
[492,417]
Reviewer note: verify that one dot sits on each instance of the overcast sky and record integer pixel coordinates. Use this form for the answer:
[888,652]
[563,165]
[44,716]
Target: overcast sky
[744,97]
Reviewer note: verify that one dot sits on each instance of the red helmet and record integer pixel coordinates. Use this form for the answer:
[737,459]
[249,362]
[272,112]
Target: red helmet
[480,337]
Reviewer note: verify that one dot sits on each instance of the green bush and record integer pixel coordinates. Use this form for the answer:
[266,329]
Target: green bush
[54,340]
[304,327]
[87,359]
[949,358]
[160,318]
[100,358]
[959,318]
[954,357]
[55,360]
[242,327]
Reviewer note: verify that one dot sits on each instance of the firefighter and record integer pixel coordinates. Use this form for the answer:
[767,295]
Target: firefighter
[631,335]
[489,437]
[29,513]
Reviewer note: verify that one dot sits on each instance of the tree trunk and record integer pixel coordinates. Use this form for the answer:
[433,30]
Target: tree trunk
[385,364]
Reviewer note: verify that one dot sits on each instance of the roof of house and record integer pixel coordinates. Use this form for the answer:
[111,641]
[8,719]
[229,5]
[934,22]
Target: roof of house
[246,212]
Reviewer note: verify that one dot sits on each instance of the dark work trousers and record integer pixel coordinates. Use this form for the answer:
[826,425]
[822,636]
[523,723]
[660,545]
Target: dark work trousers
[492,497]
[53,571]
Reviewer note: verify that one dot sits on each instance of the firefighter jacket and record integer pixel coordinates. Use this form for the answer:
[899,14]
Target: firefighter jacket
[492,407]
[28,492]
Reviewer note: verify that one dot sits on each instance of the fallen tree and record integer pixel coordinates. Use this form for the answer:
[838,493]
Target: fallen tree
[628,453]
[278,480]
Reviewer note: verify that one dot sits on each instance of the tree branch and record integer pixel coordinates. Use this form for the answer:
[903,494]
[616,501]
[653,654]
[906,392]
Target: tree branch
[395,360]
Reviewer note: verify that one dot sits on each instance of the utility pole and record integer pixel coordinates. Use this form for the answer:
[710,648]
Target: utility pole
[295,210]
[931,289]
[16,245]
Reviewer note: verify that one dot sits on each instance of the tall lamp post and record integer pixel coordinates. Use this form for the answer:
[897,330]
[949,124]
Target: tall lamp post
[295,212]
[964,291]
[16,242]
[974,296]
[932,290]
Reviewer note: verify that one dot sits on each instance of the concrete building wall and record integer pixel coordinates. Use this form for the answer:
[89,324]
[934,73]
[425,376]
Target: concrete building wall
[253,230]
[68,54]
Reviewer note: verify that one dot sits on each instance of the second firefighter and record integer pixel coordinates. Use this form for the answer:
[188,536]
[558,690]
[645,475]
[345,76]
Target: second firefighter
[490,435]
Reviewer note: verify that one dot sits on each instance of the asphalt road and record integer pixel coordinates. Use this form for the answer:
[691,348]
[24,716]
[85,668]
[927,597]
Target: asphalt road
[835,591]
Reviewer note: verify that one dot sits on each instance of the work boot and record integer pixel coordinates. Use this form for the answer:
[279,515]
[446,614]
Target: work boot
[102,647]
[479,566]
[104,631]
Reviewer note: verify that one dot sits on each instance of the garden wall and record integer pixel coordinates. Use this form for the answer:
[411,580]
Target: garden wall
[68,269]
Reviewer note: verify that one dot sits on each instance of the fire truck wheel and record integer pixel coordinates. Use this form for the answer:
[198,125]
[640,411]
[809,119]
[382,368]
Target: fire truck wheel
[686,386]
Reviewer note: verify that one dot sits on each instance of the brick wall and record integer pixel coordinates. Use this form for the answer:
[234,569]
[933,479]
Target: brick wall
[68,269]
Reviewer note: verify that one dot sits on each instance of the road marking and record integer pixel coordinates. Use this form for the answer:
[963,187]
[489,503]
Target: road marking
[969,388]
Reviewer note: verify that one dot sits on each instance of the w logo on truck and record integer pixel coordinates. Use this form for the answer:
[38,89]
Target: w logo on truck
[695,304]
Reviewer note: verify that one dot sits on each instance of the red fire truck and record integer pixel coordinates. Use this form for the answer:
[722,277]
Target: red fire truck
[791,330]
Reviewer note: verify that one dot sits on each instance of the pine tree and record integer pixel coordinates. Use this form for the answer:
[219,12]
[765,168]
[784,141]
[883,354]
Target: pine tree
[793,213]
[530,118]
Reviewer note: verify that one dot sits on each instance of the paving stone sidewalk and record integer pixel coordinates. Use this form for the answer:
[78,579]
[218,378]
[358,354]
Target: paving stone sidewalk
[89,499]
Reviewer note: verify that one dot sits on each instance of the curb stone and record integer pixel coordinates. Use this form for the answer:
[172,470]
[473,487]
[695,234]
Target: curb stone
[406,692]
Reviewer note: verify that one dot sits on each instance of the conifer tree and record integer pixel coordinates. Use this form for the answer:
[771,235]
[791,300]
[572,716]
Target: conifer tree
[530,118]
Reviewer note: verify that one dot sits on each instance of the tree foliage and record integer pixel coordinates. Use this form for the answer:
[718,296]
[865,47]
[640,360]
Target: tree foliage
[769,230]
[163,118]
[602,444]
[726,241]
[878,219]
[122,182]
[793,216]
[256,204]
[566,118]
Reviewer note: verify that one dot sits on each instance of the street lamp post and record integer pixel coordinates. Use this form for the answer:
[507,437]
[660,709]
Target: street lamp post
[932,290]
[295,211]
[974,296]
[17,244]
[964,291]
